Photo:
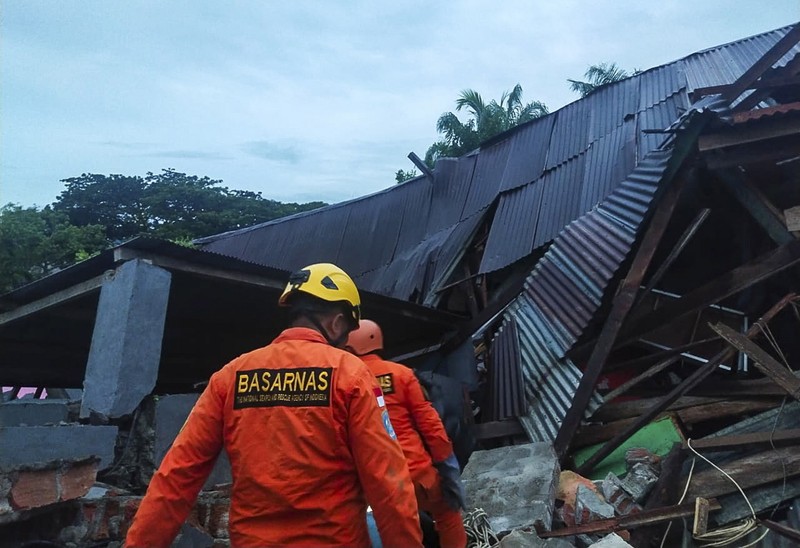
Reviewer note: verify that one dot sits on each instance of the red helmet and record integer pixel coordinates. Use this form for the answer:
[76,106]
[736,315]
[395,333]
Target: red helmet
[367,338]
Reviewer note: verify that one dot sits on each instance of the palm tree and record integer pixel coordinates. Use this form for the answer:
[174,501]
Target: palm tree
[599,76]
[485,121]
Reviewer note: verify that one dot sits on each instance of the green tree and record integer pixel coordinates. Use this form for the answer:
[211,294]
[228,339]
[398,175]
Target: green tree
[598,76]
[169,204]
[402,176]
[485,121]
[36,242]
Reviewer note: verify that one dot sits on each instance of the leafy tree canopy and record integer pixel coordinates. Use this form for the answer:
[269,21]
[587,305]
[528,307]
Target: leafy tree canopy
[170,205]
[485,121]
[598,76]
[35,242]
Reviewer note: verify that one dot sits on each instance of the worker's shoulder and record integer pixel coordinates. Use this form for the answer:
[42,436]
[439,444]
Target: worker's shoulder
[399,369]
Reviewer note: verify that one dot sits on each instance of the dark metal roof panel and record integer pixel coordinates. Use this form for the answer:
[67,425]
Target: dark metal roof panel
[608,161]
[655,85]
[561,197]
[361,249]
[506,393]
[612,105]
[513,227]
[489,168]
[571,132]
[528,153]
[414,202]
[449,194]
[724,64]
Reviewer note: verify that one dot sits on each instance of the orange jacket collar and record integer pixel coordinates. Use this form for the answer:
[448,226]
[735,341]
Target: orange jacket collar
[300,334]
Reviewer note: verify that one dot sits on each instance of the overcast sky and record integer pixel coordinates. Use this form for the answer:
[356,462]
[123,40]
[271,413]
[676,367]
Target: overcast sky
[302,100]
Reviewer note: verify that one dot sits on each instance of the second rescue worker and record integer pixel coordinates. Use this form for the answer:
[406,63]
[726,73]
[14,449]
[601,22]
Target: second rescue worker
[433,465]
[309,440]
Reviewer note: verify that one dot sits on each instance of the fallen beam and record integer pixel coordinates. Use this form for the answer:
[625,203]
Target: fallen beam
[688,383]
[756,439]
[781,529]
[750,471]
[644,518]
[590,435]
[781,375]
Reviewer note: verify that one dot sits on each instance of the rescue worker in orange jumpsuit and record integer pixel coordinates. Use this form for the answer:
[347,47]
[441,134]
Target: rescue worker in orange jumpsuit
[428,450]
[309,441]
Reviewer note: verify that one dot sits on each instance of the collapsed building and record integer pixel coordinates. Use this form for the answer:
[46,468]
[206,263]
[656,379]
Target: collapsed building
[596,294]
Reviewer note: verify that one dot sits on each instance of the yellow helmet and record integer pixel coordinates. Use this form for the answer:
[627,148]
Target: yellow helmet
[324,281]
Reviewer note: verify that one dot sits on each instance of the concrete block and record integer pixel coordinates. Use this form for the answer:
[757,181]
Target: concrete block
[515,485]
[122,367]
[529,539]
[31,444]
[33,412]
[590,506]
[170,414]
[639,481]
[611,541]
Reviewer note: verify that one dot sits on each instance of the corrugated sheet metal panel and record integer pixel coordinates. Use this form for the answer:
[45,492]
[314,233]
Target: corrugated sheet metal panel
[561,197]
[724,64]
[415,204]
[549,383]
[491,164]
[528,153]
[612,106]
[452,249]
[447,206]
[506,391]
[608,161]
[659,117]
[657,84]
[571,132]
[513,227]
[367,218]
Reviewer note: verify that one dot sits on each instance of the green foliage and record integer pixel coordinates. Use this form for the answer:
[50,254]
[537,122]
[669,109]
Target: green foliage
[169,205]
[598,76]
[36,242]
[402,176]
[485,121]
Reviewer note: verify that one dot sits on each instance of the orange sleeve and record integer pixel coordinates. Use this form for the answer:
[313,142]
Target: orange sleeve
[174,487]
[381,466]
[427,420]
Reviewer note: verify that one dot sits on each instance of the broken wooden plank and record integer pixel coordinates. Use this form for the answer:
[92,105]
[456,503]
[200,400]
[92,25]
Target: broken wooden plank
[649,360]
[701,509]
[621,305]
[648,373]
[749,441]
[627,409]
[646,517]
[754,388]
[759,269]
[690,382]
[765,363]
[748,471]
[592,434]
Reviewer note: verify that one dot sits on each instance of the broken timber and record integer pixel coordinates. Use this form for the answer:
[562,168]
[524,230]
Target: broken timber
[646,517]
[781,375]
[690,382]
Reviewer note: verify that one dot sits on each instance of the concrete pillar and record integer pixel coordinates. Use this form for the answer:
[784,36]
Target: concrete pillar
[126,344]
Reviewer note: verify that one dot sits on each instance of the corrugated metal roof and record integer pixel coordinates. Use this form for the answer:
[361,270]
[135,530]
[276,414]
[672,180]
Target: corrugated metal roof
[543,175]
[506,393]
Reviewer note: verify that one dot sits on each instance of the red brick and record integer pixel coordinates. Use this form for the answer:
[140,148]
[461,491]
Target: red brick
[34,489]
[77,479]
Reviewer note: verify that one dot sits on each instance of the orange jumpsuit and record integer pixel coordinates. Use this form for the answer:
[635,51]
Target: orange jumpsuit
[309,447]
[424,441]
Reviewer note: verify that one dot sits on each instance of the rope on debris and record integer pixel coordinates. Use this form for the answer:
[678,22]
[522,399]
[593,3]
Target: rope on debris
[729,534]
[479,532]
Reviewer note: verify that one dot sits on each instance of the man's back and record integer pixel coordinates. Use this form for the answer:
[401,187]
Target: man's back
[303,429]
